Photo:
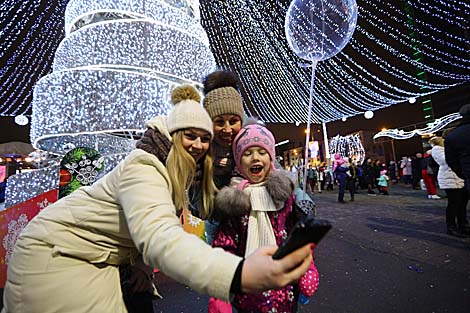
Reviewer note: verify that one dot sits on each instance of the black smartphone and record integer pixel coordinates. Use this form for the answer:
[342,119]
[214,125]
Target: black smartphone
[306,230]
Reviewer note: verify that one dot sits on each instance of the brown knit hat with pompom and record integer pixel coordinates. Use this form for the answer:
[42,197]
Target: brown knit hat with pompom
[187,111]
[221,94]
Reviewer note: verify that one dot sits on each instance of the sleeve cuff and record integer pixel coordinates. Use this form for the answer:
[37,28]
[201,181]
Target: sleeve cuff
[236,286]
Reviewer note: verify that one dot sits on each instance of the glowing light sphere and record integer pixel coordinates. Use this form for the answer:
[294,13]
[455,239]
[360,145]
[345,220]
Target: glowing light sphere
[316,30]
[412,100]
[368,115]
[21,120]
[344,119]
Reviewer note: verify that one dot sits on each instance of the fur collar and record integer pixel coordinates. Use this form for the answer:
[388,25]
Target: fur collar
[231,202]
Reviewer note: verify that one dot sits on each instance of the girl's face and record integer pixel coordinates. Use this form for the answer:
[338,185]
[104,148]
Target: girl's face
[196,142]
[226,127]
[256,164]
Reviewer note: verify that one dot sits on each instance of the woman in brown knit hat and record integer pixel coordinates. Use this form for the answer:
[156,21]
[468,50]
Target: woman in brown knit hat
[224,104]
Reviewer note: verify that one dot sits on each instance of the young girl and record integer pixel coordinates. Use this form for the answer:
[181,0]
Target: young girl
[260,211]
[383,182]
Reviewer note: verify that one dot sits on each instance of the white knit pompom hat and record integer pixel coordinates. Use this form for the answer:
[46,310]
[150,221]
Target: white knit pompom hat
[187,111]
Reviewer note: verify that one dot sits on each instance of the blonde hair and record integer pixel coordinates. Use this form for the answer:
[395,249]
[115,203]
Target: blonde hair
[436,141]
[182,170]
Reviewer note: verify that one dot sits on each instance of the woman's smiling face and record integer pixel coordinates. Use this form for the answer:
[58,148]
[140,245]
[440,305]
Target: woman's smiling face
[226,127]
[196,142]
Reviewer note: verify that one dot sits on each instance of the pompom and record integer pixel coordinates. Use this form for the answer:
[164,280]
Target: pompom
[253,121]
[184,92]
[220,79]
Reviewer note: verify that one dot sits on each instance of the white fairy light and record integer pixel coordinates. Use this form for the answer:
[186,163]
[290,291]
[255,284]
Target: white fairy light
[431,128]
[368,114]
[348,146]
[373,72]
[113,71]
[116,69]
[21,120]
[344,86]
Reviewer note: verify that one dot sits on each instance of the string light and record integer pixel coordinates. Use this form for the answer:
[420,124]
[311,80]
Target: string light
[344,86]
[431,128]
[376,70]
[113,71]
[348,146]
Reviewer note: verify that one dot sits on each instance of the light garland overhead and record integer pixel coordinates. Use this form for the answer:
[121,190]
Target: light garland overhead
[431,128]
[376,69]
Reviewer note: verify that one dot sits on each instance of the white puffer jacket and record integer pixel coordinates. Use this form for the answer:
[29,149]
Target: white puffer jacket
[446,178]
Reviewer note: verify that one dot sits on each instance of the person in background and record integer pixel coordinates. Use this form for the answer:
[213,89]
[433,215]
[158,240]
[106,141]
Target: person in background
[70,252]
[407,172]
[383,182]
[454,187]
[429,175]
[457,150]
[260,210]
[351,178]
[416,170]
[368,172]
[340,172]
[328,180]
[376,168]
[312,178]
[392,169]
[320,177]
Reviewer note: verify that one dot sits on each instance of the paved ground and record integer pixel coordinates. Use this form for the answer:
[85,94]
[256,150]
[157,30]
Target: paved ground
[384,254]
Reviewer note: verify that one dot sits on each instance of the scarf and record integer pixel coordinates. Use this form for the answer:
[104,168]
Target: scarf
[260,229]
[223,160]
[155,143]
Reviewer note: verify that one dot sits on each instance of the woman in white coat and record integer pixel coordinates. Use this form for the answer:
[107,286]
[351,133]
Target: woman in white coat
[67,257]
[454,188]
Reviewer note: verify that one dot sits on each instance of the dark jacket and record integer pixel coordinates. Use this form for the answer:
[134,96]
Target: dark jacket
[457,149]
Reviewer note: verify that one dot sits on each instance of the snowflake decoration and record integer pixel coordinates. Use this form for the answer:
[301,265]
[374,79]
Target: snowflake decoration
[15,227]
[193,221]
[43,203]
[290,295]
[267,293]
[86,169]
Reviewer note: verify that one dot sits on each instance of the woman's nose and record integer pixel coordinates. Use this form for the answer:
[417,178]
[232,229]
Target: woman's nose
[227,128]
[197,144]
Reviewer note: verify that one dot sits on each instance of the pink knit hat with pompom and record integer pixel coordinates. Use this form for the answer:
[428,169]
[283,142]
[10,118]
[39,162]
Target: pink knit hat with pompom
[254,135]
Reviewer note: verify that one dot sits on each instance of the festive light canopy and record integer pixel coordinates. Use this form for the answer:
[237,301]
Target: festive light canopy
[401,49]
[396,44]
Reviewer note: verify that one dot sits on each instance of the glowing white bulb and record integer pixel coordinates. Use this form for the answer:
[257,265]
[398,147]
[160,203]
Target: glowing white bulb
[368,115]
[344,118]
[412,100]
[21,120]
